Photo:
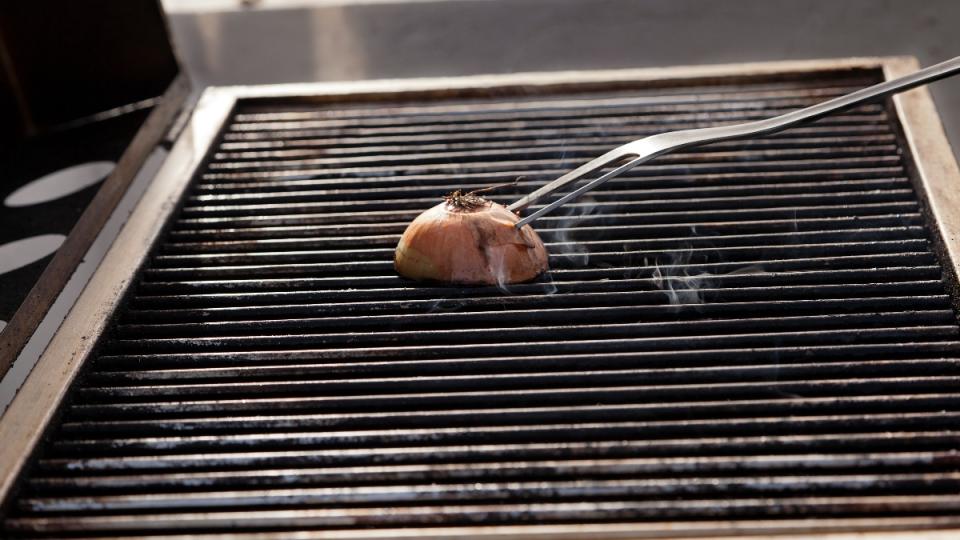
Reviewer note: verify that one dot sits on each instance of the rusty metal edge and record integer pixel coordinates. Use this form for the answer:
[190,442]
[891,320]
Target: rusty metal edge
[56,274]
[24,422]
[933,166]
[545,82]
[787,529]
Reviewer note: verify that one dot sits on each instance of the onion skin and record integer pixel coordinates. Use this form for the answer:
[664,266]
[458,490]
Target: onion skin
[471,246]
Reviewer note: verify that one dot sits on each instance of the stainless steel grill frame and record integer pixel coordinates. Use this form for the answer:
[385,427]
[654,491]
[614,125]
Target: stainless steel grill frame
[935,171]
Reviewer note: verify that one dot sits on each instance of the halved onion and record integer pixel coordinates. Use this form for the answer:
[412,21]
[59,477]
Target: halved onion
[470,240]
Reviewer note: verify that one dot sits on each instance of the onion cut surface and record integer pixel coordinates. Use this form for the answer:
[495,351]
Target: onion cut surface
[470,241]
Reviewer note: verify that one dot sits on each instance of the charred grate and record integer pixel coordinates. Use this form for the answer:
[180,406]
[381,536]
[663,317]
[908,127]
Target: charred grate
[753,332]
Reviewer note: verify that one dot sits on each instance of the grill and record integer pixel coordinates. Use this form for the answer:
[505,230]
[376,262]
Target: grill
[751,337]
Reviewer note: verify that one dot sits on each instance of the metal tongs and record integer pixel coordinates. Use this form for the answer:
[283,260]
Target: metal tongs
[640,151]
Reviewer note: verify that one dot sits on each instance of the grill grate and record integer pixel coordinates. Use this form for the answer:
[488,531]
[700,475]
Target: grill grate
[755,332]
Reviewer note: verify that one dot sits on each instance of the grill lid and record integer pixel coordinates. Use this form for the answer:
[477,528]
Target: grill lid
[751,336]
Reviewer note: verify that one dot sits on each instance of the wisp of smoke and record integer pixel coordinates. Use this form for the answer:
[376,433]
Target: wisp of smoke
[496,258]
[445,305]
[566,245]
[683,287]
[676,282]
[562,243]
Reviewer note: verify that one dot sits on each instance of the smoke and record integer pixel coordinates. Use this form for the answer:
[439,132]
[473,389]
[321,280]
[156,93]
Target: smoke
[677,283]
[496,261]
[683,287]
[445,305]
[562,243]
[496,258]
[566,245]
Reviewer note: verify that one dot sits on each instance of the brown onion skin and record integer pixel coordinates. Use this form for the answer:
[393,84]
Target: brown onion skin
[476,246]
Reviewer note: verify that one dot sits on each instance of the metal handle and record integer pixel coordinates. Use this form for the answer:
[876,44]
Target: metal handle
[870,93]
[643,150]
